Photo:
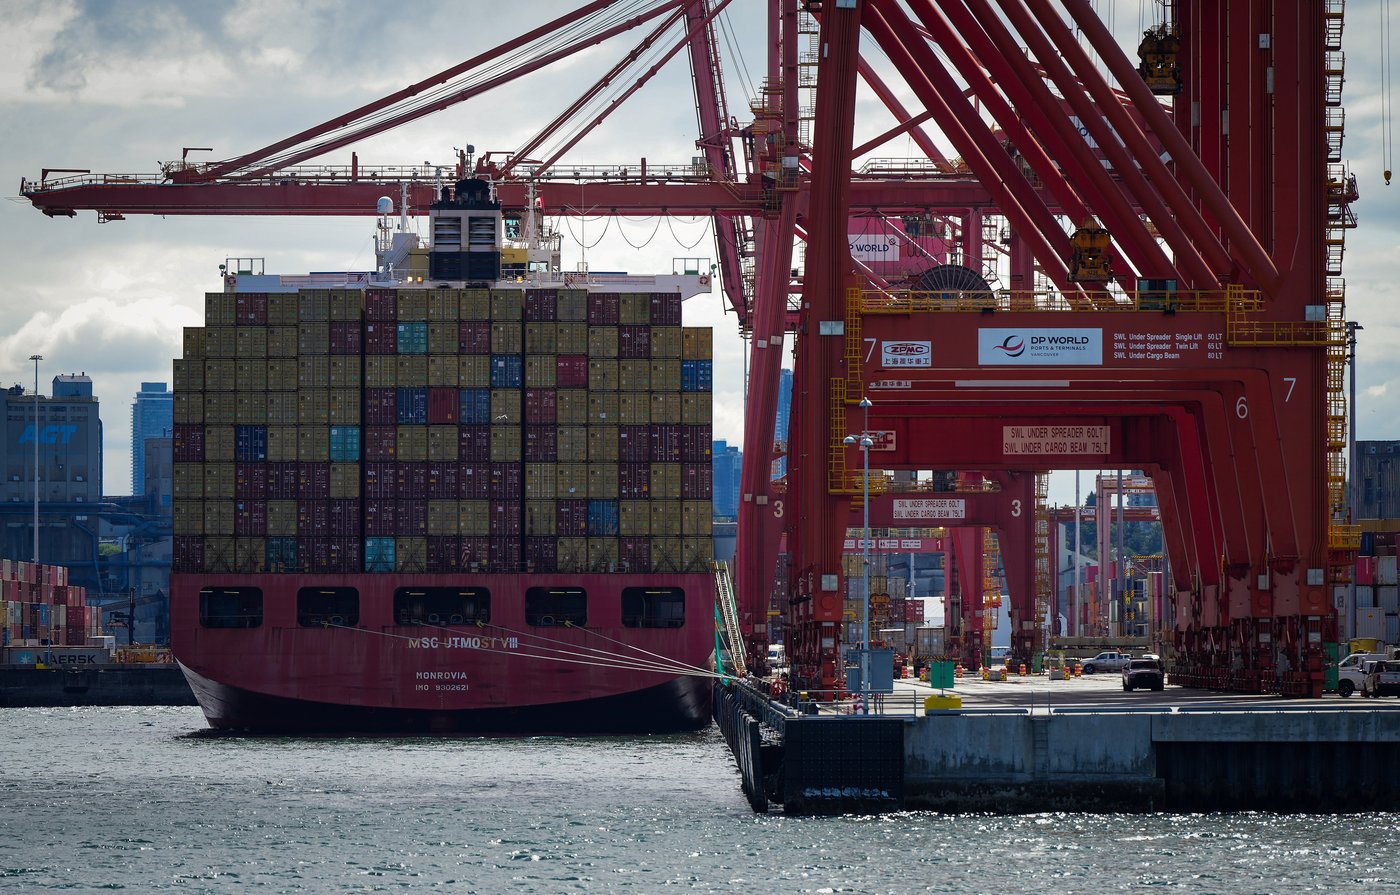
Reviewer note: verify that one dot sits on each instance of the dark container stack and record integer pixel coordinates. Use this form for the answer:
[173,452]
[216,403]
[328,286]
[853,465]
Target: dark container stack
[443,430]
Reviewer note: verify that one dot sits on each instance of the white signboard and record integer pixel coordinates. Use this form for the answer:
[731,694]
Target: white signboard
[1075,440]
[883,440]
[867,247]
[912,508]
[1039,346]
[906,354]
[892,383]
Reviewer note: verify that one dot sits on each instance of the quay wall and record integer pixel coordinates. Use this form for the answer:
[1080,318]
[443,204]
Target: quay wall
[104,685]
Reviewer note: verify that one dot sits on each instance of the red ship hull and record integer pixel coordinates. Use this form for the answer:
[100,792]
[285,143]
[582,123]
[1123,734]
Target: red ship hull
[499,677]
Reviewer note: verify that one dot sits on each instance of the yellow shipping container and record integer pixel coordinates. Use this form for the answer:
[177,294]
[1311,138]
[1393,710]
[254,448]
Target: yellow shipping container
[474,518]
[666,342]
[443,371]
[602,374]
[187,481]
[634,308]
[189,376]
[196,340]
[474,371]
[572,305]
[410,554]
[220,408]
[697,518]
[634,408]
[444,306]
[667,554]
[541,480]
[505,406]
[219,442]
[282,518]
[696,408]
[381,371]
[218,517]
[634,375]
[602,444]
[220,341]
[602,554]
[507,304]
[665,516]
[250,341]
[442,518]
[665,375]
[602,341]
[283,374]
[634,518]
[571,444]
[220,374]
[412,444]
[314,407]
[251,408]
[571,407]
[665,481]
[505,443]
[572,338]
[282,309]
[345,481]
[474,304]
[571,554]
[345,371]
[666,408]
[507,338]
[188,408]
[187,517]
[602,408]
[313,444]
[571,481]
[413,305]
[443,443]
[344,407]
[282,408]
[442,338]
[313,339]
[541,338]
[540,517]
[602,481]
[697,343]
[412,370]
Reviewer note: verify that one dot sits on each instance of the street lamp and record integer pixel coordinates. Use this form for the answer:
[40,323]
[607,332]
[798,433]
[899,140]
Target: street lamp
[36,358]
[865,442]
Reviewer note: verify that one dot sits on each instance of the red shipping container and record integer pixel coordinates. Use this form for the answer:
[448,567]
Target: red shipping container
[634,444]
[1366,571]
[474,481]
[541,444]
[507,483]
[313,519]
[443,404]
[379,481]
[505,520]
[474,337]
[314,480]
[250,481]
[633,342]
[541,406]
[412,519]
[345,556]
[474,444]
[282,476]
[476,551]
[381,442]
[571,519]
[634,554]
[540,554]
[250,518]
[540,305]
[571,371]
[381,516]
[665,443]
[251,308]
[634,481]
[697,481]
[344,518]
[314,554]
[187,555]
[188,444]
[381,406]
[665,309]
[696,444]
[411,481]
[345,337]
[442,481]
[505,554]
[603,308]
[381,338]
[381,305]
[444,553]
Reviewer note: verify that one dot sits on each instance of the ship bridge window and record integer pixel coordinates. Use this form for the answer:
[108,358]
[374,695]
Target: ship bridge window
[319,607]
[653,607]
[231,607]
[556,606]
[442,605]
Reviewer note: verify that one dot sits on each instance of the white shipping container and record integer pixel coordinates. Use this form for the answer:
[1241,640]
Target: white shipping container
[1385,570]
[1365,596]
[1387,596]
[1370,623]
[1392,628]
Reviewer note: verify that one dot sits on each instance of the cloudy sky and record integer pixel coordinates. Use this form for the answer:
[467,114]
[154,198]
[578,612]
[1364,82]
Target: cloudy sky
[119,86]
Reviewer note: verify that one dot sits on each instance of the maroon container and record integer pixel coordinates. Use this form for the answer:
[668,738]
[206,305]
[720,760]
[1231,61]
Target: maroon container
[540,305]
[443,405]
[476,551]
[411,481]
[665,443]
[381,406]
[474,444]
[506,481]
[381,337]
[571,519]
[505,554]
[314,480]
[345,555]
[540,554]
[603,308]
[634,444]
[541,406]
[697,481]
[381,515]
[474,337]
[665,309]
[474,481]
[541,444]
[188,443]
[442,480]
[381,443]
[314,554]
[444,553]
[633,342]
[381,305]
[505,519]
[187,554]
[313,519]
[378,480]
[250,481]
[634,554]
[282,476]
[571,371]
[345,337]
[696,444]
[634,481]
[250,518]
[344,518]
[412,519]
[251,308]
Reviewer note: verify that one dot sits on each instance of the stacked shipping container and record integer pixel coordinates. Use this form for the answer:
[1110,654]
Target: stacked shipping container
[443,430]
[38,606]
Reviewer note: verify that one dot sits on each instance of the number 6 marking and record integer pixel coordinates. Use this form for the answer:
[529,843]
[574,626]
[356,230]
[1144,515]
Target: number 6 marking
[1241,408]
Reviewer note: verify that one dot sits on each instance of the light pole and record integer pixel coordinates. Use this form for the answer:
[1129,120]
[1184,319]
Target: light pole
[36,358]
[865,442]
[1353,511]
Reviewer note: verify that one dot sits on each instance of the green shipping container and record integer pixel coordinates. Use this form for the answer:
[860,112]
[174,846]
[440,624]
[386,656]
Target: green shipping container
[282,309]
[282,518]
[282,408]
[602,341]
[195,343]
[474,304]
[542,338]
[251,408]
[381,371]
[250,341]
[443,371]
[283,374]
[345,481]
[313,444]
[540,516]
[314,407]
[219,444]
[571,444]
[220,374]
[313,339]
[220,309]
[541,480]
[444,443]
[412,444]
[634,408]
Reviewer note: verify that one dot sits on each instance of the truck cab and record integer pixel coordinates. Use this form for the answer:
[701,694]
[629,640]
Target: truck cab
[1108,660]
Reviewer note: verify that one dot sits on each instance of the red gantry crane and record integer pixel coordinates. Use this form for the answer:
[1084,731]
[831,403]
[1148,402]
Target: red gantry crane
[1120,281]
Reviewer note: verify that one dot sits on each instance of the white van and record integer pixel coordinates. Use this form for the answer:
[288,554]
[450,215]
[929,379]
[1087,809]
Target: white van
[776,659]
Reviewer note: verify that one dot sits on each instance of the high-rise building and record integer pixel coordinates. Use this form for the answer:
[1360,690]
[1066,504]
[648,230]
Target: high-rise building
[726,461]
[151,417]
[780,429]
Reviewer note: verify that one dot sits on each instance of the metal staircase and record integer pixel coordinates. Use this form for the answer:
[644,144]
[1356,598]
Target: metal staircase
[726,607]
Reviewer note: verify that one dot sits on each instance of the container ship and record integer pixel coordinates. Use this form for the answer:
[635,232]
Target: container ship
[464,493]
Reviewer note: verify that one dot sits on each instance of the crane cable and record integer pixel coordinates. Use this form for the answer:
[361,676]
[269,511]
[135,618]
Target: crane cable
[1387,113]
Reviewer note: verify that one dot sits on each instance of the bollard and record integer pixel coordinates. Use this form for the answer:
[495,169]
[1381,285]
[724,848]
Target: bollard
[958,671]
[1078,670]
[984,672]
[1023,669]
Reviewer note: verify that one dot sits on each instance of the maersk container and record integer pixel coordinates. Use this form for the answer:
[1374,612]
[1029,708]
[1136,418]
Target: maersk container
[697,375]
[507,371]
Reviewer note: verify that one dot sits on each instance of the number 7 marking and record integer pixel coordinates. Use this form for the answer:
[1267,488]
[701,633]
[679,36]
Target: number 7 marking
[871,352]
[1292,381]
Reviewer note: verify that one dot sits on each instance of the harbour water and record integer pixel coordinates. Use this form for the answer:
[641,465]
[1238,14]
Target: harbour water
[138,799]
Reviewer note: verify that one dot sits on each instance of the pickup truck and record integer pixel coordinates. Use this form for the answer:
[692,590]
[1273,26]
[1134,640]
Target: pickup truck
[1382,679]
[1351,672]
[1105,661]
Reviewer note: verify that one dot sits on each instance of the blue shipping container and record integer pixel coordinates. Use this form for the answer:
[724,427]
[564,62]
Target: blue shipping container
[697,375]
[250,443]
[507,371]
[345,444]
[475,409]
[413,338]
[281,551]
[379,554]
[602,518]
[413,406]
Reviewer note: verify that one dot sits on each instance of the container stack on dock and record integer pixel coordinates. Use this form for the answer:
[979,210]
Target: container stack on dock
[1377,590]
[443,430]
[39,607]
